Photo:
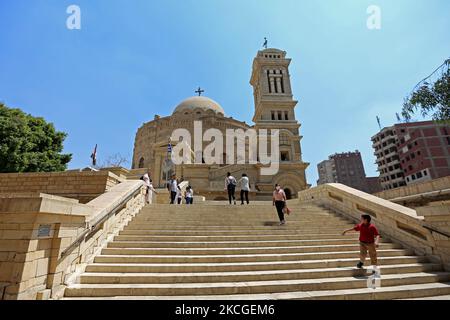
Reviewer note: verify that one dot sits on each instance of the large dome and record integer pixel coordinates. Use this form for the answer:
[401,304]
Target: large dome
[203,103]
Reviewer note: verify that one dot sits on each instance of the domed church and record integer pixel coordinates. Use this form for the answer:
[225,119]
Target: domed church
[274,109]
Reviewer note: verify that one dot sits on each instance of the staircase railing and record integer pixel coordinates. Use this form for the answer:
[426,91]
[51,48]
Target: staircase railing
[97,223]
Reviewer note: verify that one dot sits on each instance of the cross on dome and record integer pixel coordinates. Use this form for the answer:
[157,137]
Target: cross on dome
[199,91]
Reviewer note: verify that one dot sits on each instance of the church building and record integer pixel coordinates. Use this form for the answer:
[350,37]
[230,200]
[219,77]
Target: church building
[274,109]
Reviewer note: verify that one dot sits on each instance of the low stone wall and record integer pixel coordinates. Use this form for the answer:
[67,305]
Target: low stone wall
[438,214]
[83,186]
[399,223]
[420,193]
[45,241]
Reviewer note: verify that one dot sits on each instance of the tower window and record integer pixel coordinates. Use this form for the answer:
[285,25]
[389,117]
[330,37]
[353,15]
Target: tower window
[141,163]
[280,116]
[273,115]
[286,116]
[268,79]
[284,156]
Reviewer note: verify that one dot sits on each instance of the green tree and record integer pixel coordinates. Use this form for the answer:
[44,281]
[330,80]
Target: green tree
[431,98]
[29,144]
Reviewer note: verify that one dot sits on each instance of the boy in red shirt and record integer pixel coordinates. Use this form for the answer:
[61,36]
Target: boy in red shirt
[369,239]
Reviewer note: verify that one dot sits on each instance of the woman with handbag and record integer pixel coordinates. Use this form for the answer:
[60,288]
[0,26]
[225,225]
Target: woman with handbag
[279,201]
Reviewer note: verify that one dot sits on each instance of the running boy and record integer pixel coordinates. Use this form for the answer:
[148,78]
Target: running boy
[369,240]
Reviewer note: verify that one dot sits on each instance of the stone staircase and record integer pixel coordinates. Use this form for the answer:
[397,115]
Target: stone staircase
[223,252]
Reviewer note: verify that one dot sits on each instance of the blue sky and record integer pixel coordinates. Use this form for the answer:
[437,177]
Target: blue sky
[133,59]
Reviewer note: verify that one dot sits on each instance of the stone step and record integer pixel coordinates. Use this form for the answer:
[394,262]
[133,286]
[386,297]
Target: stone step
[207,228]
[271,222]
[252,237]
[242,258]
[274,223]
[153,278]
[274,231]
[441,298]
[242,225]
[226,244]
[233,212]
[240,250]
[256,287]
[414,291]
[222,207]
[244,266]
[234,215]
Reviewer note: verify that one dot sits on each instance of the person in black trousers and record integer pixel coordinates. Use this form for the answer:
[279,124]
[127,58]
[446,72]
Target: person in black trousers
[244,183]
[279,201]
[173,187]
[230,186]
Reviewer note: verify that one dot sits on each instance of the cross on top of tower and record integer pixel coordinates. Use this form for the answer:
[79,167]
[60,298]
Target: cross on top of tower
[199,91]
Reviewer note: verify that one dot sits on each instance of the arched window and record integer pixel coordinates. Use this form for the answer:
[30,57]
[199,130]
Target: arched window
[141,163]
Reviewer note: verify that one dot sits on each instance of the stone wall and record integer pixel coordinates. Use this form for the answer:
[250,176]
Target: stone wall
[420,193]
[45,240]
[438,214]
[83,186]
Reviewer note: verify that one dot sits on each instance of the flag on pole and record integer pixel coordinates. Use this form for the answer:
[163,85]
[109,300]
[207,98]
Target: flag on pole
[399,119]
[94,156]
[379,122]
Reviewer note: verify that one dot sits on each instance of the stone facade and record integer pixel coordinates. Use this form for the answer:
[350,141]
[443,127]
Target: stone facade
[274,109]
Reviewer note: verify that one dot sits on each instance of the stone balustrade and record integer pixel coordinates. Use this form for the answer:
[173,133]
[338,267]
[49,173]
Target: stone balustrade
[399,223]
[46,240]
[420,193]
[83,186]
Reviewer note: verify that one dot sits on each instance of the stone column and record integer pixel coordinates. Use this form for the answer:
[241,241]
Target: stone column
[278,79]
[272,85]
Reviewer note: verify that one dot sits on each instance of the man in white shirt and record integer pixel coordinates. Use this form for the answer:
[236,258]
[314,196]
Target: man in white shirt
[244,183]
[173,188]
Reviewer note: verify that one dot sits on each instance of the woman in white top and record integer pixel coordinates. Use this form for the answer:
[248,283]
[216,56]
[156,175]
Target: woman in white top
[150,191]
[179,195]
[244,183]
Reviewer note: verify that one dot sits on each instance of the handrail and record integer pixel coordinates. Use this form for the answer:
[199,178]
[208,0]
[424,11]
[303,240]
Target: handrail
[434,229]
[95,226]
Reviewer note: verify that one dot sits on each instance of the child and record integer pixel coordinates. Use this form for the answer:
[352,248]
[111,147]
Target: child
[369,239]
[189,195]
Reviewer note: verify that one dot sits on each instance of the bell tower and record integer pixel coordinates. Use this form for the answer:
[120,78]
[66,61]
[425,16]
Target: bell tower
[274,102]
[272,88]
